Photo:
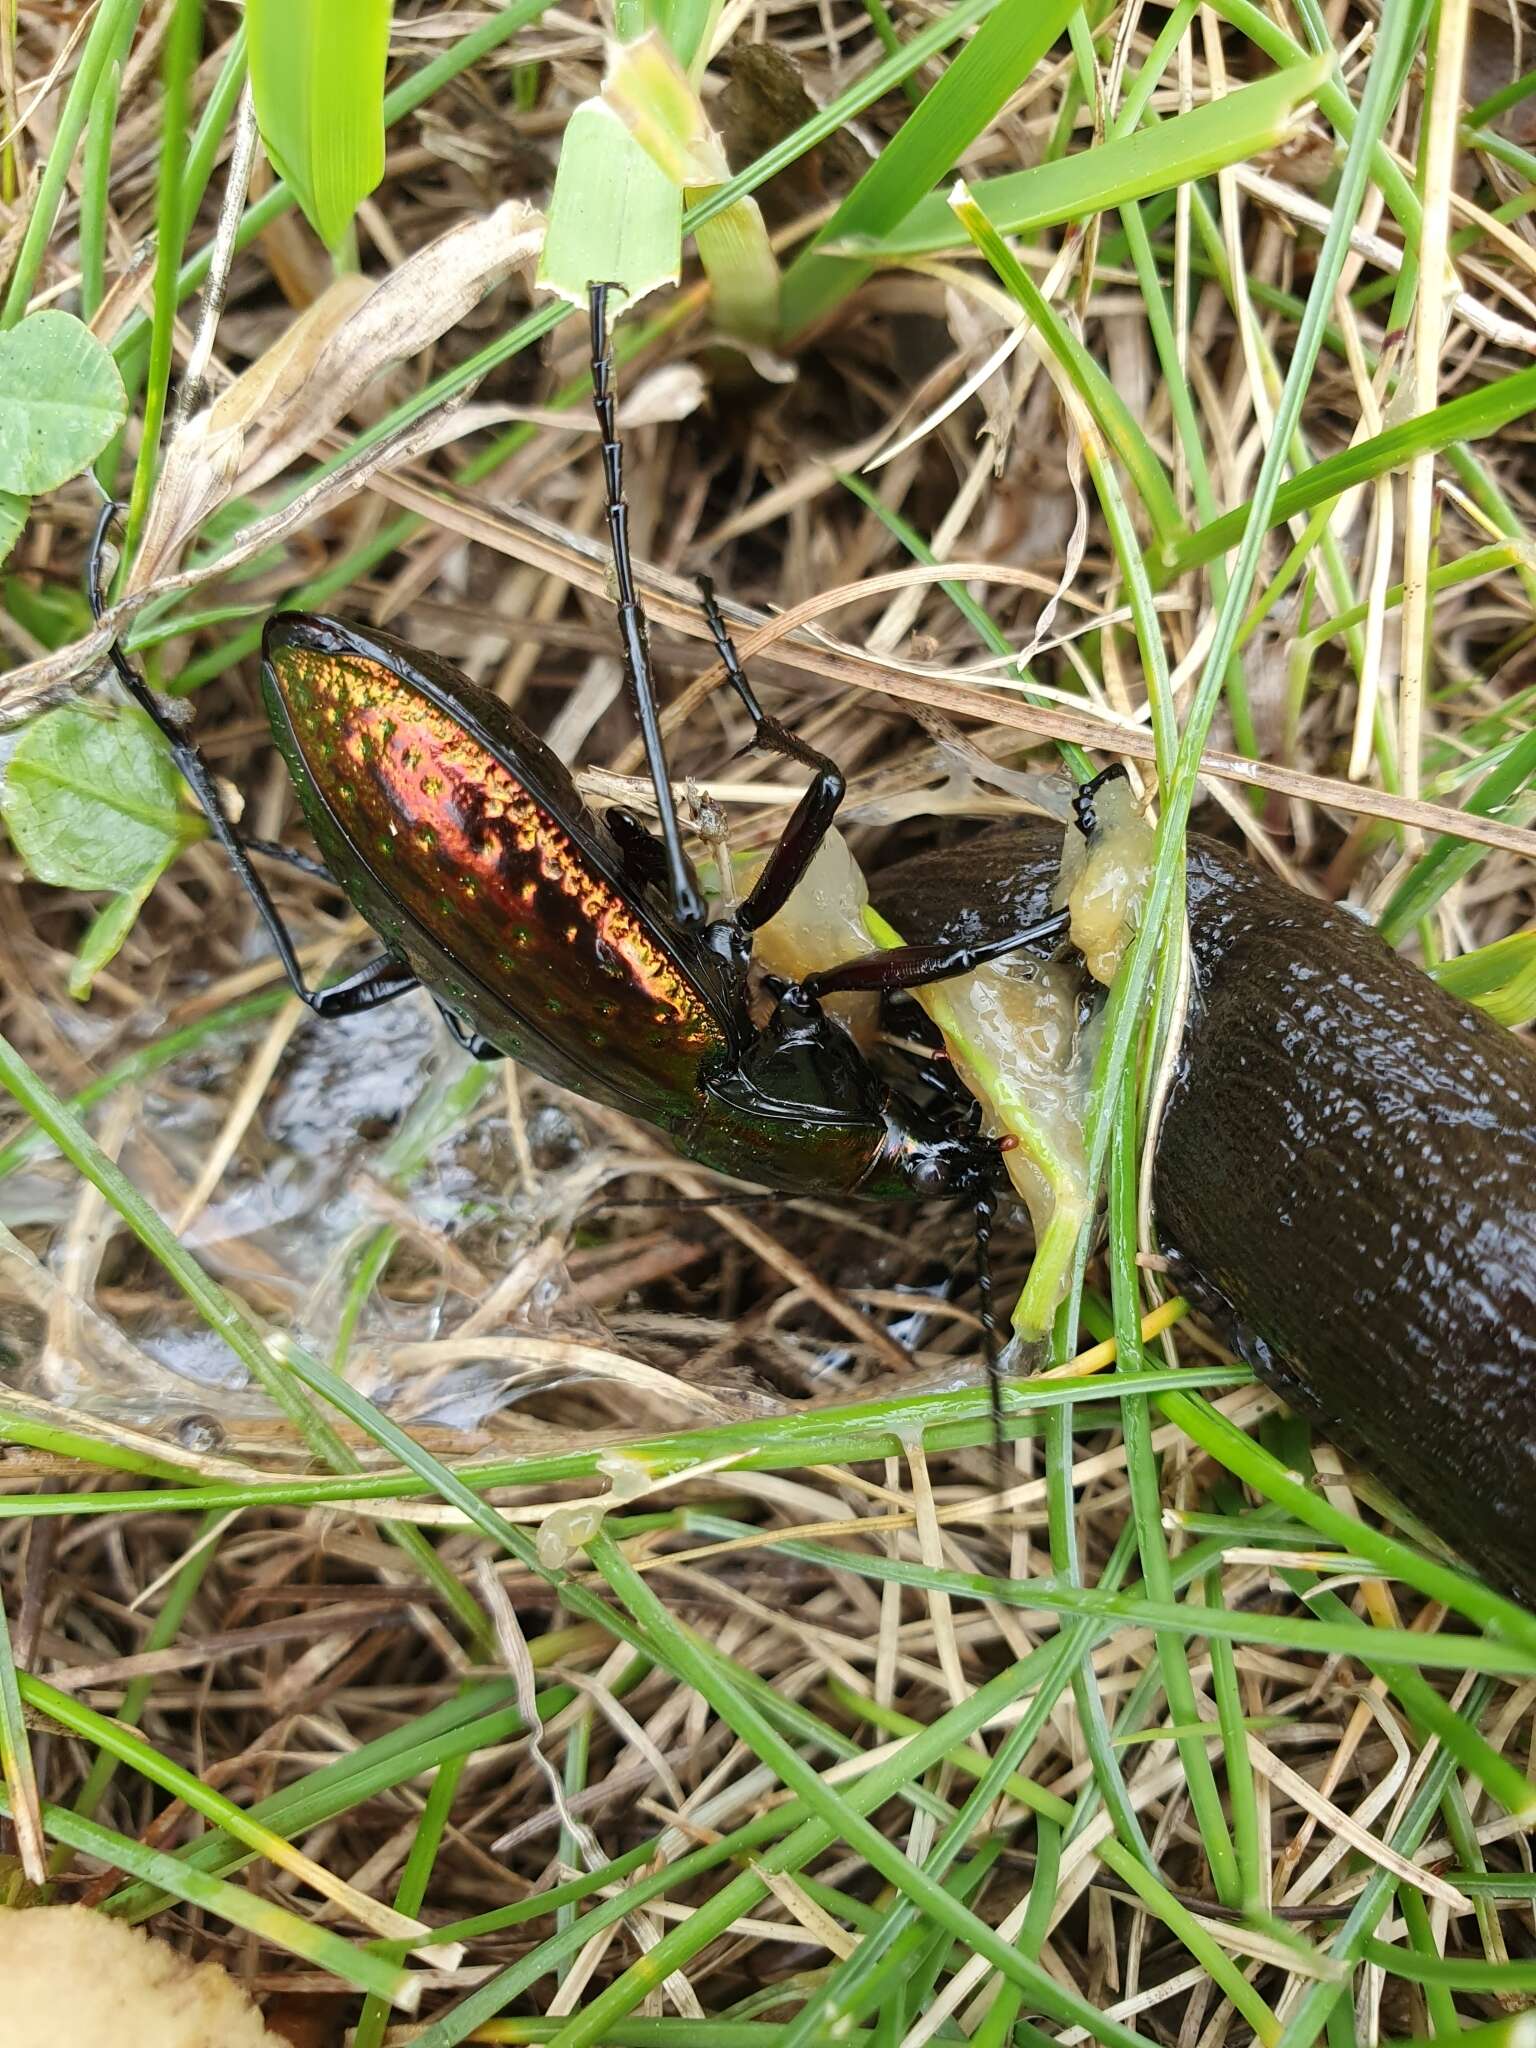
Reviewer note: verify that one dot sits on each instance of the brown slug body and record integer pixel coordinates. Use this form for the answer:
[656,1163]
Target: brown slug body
[1347,1161]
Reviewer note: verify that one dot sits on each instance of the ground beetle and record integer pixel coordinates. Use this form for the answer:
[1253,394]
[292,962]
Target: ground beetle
[581,945]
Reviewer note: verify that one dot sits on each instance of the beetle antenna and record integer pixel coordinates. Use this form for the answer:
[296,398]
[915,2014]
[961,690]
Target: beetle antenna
[688,905]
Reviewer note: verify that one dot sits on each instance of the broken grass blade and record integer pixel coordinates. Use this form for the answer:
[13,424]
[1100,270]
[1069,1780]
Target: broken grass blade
[615,218]
[653,97]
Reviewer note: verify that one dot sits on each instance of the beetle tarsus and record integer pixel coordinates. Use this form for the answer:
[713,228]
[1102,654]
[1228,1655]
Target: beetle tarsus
[1082,803]
[898,967]
[464,1035]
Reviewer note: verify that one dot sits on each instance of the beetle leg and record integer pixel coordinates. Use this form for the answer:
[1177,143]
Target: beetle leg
[462,1034]
[641,853]
[376,982]
[1082,803]
[688,905]
[813,815]
[272,849]
[381,979]
[880,973]
[986,1211]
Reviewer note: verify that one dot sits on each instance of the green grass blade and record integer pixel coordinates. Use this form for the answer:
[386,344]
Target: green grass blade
[178,62]
[978,83]
[167,1625]
[1471,417]
[1500,979]
[810,1838]
[106,37]
[849,1433]
[710,1674]
[1405,1647]
[146,1060]
[1501,794]
[16,1766]
[241,1908]
[1128,167]
[1111,415]
[317,79]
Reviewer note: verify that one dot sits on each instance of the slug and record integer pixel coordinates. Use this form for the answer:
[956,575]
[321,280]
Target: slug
[1345,1173]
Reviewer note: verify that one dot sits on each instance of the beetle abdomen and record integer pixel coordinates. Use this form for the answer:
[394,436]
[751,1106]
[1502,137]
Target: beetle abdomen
[1348,1159]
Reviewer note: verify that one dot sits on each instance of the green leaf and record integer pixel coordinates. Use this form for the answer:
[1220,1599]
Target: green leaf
[1505,792]
[13,517]
[317,78]
[1500,978]
[1470,416]
[53,613]
[61,401]
[94,801]
[109,928]
[615,217]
